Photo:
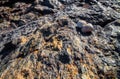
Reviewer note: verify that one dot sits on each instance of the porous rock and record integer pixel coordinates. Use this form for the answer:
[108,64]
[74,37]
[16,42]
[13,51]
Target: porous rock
[43,43]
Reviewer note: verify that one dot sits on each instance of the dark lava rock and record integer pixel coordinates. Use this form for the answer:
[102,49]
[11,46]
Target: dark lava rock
[40,39]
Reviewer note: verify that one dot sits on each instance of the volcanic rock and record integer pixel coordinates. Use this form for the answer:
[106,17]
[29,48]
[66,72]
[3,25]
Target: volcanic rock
[44,39]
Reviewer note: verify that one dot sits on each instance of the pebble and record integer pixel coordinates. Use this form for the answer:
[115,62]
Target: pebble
[84,26]
[87,28]
[80,23]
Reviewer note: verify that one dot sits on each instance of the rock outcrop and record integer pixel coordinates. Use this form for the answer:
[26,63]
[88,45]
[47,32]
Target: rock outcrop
[40,39]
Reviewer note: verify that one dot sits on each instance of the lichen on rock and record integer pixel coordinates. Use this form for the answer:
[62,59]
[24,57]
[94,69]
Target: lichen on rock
[59,39]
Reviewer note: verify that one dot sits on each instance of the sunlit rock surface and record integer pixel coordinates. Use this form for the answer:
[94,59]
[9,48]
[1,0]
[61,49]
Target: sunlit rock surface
[40,39]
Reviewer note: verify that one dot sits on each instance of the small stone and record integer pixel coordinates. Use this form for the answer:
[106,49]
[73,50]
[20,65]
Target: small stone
[84,26]
[80,23]
[87,28]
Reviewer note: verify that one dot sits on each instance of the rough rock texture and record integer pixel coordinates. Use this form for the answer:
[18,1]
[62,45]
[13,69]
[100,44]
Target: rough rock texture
[39,39]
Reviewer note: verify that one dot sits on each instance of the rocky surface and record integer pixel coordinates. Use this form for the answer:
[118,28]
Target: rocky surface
[41,39]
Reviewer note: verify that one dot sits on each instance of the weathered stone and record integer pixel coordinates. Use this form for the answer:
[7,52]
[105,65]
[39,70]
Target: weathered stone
[46,39]
[87,28]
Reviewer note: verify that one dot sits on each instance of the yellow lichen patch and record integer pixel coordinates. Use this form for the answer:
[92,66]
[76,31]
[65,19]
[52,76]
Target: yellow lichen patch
[54,44]
[39,65]
[73,70]
[19,76]
[57,43]
[23,40]
[95,40]
[69,50]
[84,76]
[89,70]
[90,60]
[35,51]
[88,74]
[92,75]
[58,77]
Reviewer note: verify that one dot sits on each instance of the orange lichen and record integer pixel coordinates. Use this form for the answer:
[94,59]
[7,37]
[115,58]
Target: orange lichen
[89,67]
[69,50]
[39,65]
[19,76]
[23,40]
[89,74]
[58,77]
[73,70]
[55,43]
[35,51]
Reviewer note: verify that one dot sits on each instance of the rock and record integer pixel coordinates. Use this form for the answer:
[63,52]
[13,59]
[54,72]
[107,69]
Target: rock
[85,27]
[46,39]
[81,23]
